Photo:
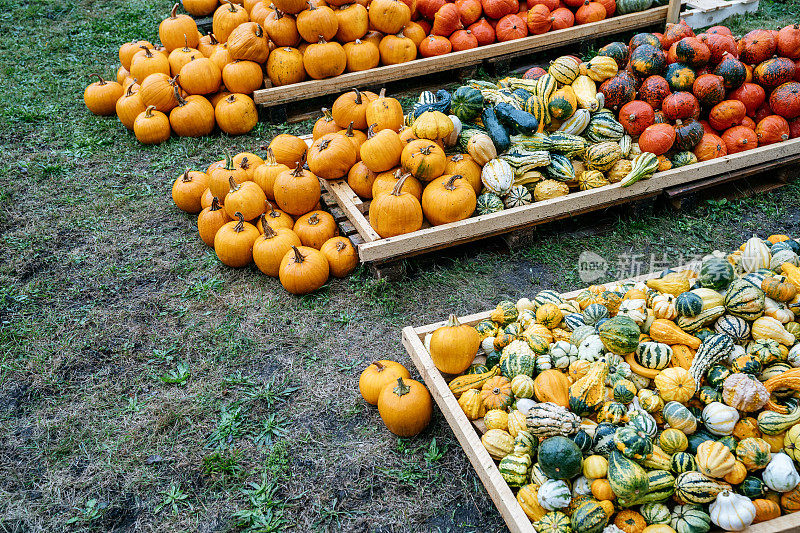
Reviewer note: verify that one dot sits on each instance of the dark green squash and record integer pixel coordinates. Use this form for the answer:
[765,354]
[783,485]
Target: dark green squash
[732,71]
[495,129]
[560,458]
[648,60]
[467,103]
[617,91]
[516,119]
[644,38]
[687,134]
[618,51]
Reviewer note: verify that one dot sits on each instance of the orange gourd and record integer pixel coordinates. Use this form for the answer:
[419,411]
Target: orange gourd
[303,270]
[405,408]
[315,228]
[210,220]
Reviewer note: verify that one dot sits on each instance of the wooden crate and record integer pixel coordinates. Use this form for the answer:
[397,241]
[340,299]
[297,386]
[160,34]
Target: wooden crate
[376,250]
[274,96]
[468,434]
[703,13]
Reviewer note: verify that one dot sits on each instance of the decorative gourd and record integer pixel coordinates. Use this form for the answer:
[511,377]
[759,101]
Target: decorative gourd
[586,395]
[675,384]
[694,487]
[744,392]
[514,468]
[719,418]
[714,459]
[632,443]
[548,419]
[753,452]
[714,348]
[498,443]
[528,499]
[679,417]
[780,474]
[552,386]
[731,511]
[554,494]
[628,480]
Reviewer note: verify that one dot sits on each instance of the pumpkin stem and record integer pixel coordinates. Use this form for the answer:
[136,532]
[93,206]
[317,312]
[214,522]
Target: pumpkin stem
[212,38]
[298,170]
[231,7]
[244,164]
[129,90]
[452,322]
[402,389]
[148,113]
[147,51]
[456,158]
[278,14]
[313,220]
[358,96]
[340,246]
[322,40]
[450,185]
[185,43]
[371,131]
[181,101]
[270,157]
[349,131]
[259,30]
[174,13]
[234,186]
[271,209]
[239,227]
[426,150]
[229,163]
[399,185]
[268,231]
[324,144]
[380,366]
[382,94]
[326,114]
[231,99]
[215,204]
[102,81]
[186,178]
[298,257]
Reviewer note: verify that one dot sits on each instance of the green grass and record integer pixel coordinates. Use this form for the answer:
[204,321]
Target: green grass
[145,386]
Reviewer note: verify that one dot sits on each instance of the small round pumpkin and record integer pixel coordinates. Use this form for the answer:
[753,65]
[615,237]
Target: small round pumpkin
[657,138]
[101,96]
[188,189]
[315,228]
[341,255]
[454,346]
[331,156]
[406,407]
[448,199]
[270,248]
[303,270]
[739,138]
[233,243]
[210,220]
[151,126]
[297,191]
[376,376]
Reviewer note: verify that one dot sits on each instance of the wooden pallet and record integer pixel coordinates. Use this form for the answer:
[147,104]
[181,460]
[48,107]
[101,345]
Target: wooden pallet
[274,96]
[374,249]
[468,434]
[703,13]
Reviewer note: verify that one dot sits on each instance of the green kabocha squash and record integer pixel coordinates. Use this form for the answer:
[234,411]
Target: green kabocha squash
[680,77]
[616,50]
[620,335]
[560,458]
[467,103]
[715,273]
[489,202]
[688,134]
[753,487]
[688,304]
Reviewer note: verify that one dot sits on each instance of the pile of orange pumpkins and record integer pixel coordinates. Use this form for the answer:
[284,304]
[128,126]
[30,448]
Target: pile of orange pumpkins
[404,404]
[187,85]
[709,94]
[235,199]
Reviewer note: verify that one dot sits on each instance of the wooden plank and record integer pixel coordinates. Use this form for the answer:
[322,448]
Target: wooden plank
[349,202]
[487,471]
[420,67]
[572,204]
[673,11]
[710,12]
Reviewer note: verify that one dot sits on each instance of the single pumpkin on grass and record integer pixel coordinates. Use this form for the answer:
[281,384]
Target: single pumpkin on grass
[341,255]
[315,228]
[405,407]
[210,220]
[101,96]
[454,346]
[377,375]
[188,190]
[303,270]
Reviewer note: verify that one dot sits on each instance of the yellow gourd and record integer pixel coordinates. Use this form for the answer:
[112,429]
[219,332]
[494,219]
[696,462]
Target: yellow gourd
[666,331]
[674,283]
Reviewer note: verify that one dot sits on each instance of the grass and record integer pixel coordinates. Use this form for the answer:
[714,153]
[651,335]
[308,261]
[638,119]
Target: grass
[145,386]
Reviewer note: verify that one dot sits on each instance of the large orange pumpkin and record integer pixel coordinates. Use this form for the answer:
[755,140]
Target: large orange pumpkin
[772,129]
[739,138]
[710,147]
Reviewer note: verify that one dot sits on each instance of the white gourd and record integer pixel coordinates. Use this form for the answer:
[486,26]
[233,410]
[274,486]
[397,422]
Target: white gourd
[755,255]
[719,418]
[562,353]
[731,511]
[554,494]
[794,356]
[497,176]
[635,309]
[487,344]
[780,474]
[664,306]
[591,349]
[526,318]
[778,311]
[784,256]
[738,351]
[581,486]
[523,304]
[451,139]
[524,405]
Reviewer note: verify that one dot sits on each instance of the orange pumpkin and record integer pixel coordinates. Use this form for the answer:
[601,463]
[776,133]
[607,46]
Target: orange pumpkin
[376,376]
[772,129]
[405,408]
[739,138]
[341,255]
[657,138]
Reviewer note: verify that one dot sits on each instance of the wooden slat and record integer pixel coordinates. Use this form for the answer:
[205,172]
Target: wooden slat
[472,228]
[709,12]
[484,465]
[420,67]
[349,201]
[673,11]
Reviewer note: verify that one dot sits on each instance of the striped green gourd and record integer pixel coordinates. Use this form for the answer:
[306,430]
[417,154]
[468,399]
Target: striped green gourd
[654,355]
[536,142]
[560,168]
[523,83]
[517,196]
[633,443]
[714,348]
[602,156]
[569,145]
[625,144]
[706,316]
[489,202]
[661,485]
[564,70]
[690,518]
[547,296]
[694,487]
[537,106]
[514,468]
[644,166]
[522,160]
[774,423]
[681,159]
[682,462]
[688,304]
[604,127]
[655,513]
[588,517]
[628,480]
[517,359]
[744,300]
[545,87]
[679,417]
[577,123]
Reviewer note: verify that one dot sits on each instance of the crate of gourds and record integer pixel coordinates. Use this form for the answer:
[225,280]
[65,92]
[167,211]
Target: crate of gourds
[267,211]
[666,404]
